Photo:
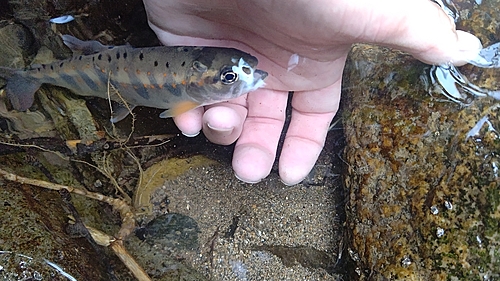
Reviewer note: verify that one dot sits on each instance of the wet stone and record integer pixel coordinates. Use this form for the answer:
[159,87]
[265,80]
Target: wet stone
[420,190]
[177,230]
[482,21]
[34,241]
[422,170]
[17,44]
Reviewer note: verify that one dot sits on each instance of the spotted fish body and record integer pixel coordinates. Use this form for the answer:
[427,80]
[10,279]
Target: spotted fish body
[173,78]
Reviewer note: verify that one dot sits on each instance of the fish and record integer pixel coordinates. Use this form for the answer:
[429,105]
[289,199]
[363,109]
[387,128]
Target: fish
[174,78]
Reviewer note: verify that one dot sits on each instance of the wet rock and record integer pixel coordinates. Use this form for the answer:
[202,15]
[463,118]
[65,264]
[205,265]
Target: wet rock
[104,20]
[17,45]
[305,256]
[423,196]
[422,170]
[34,241]
[483,21]
[169,232]
[16,48]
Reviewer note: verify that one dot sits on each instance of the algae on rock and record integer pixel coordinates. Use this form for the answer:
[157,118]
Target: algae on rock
[424,198]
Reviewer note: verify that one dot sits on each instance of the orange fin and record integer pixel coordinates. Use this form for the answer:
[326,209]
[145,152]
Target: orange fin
[179,108]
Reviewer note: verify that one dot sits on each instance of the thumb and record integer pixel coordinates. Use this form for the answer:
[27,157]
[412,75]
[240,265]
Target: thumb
[420,28]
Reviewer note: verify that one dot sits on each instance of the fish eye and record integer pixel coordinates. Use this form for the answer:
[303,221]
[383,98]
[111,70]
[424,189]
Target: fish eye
[228,76]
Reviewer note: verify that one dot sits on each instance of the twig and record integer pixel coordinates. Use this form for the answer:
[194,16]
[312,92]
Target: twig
[126,213]
[102,171]
[124,102]
[128,260]
[116,245]
[123,144]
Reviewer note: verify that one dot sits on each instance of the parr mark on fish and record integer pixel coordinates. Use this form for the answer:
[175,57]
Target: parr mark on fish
[192,77]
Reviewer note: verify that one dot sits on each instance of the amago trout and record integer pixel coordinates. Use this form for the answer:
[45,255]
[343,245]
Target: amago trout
[173,78]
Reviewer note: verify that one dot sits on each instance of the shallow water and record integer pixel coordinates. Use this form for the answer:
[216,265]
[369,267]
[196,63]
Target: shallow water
[448,81]
[14,266]
[195,220]
[233,230]
[423,148]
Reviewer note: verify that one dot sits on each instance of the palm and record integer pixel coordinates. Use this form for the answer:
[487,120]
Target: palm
[303,45]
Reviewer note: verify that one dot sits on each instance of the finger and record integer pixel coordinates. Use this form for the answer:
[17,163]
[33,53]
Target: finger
[311,116]
[190,122]
[432,39]
[223,122]
[255,150]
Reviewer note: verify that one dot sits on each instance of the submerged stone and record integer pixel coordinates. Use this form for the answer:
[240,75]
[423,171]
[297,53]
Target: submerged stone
[34,241]
[422,193]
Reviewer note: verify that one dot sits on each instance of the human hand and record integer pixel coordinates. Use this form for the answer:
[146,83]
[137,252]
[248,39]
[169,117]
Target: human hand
[303,46]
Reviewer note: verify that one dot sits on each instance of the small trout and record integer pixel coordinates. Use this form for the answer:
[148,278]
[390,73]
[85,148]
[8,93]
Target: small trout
[173,78]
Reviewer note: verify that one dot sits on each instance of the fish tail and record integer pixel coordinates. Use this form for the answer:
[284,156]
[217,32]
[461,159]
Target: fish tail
[20,88]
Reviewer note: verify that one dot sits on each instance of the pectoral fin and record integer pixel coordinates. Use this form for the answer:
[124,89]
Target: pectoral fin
[179,108]
[120,112]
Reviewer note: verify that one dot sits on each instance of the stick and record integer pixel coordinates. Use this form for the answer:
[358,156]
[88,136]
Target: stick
[126,213]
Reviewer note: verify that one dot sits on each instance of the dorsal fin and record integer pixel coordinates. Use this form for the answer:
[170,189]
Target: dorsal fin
[83,47]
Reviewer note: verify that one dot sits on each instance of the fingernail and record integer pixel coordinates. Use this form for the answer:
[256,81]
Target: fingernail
[191,135]
[224,130]
[468,46]
[245,180]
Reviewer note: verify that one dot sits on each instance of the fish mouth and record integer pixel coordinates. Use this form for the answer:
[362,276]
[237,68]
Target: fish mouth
[260,74]
[258,80]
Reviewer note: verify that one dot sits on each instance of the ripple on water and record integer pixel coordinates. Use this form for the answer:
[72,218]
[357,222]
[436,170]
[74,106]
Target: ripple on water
[15,266]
